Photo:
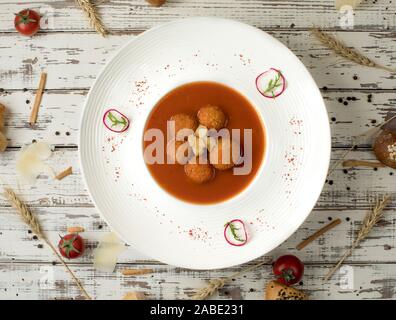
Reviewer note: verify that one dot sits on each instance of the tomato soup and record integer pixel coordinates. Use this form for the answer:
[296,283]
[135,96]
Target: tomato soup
[188,100]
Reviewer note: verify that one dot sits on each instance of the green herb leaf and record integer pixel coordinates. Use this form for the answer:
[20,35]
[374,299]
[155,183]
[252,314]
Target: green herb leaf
[68,246]
[115,121]
[273,84]
[233,230]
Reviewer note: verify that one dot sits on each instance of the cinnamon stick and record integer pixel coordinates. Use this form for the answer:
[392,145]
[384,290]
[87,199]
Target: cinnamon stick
[362,163]
[64,173]
[75,229]
[37,100]
[317,234]
[136,272]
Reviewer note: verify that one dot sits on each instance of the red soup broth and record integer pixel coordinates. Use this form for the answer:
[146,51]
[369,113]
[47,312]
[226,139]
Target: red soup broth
[189,98]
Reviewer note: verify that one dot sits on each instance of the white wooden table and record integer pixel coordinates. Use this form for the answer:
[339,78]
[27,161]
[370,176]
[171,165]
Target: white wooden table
[73,54]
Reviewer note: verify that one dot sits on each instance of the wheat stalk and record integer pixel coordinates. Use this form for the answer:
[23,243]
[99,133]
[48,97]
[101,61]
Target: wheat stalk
[31,220]
[24,212]
[369,222]
[89,8]
[215,284]
[341,49]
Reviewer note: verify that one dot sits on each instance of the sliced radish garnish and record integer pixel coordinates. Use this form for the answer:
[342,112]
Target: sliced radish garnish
[115,121]
[271,83]
[235,233]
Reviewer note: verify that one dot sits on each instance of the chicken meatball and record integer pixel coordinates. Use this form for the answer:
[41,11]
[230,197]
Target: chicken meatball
[199,172]
[181,152]
[184,121]
[225,154]
[212,117]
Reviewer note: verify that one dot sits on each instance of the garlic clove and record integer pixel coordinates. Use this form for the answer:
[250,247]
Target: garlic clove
[211,143]
[352,3]
[191,140]
[201,131]
[197,145]
[30,162]
[106,255]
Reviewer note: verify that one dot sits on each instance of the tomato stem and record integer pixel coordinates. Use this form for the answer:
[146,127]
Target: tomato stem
[25,19]
[287,275]
[68,246]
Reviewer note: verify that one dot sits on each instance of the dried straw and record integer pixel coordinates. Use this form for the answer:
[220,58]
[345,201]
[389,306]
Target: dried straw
[369,222]
[341,49]
[90,10]
[215,284]
[31,220]
[24,212]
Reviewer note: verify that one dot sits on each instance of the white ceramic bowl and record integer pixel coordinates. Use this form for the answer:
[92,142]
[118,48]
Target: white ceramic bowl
[290,179]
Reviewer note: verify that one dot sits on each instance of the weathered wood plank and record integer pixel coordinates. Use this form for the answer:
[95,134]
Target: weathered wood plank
[18,245]
[59,117]
[44,281]
[47,191]
[124,15]
[74,60]
[58,121]
[364,184]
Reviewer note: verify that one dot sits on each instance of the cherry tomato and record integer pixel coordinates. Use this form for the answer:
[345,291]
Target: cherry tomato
[27,22]
[71,246]
[288,269]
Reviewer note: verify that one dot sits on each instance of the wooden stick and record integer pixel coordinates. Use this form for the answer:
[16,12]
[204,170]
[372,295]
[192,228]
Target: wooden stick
[317,234]
[37,100]
[136,272]
[362,163]
[64,173]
